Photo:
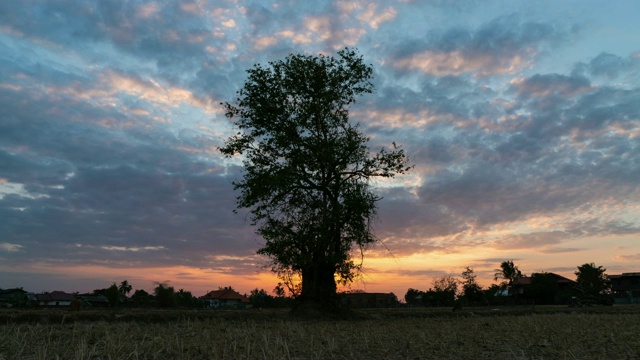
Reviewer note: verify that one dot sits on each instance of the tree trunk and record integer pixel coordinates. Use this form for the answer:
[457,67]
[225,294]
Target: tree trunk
[318,295]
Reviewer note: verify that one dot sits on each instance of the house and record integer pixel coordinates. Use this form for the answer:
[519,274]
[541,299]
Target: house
[545,288]
[369,300]
[626,288]
[55,298]
[224,298]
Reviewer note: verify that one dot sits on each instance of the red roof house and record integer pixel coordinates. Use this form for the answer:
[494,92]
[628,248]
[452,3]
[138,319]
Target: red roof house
[55,298]
[226,297]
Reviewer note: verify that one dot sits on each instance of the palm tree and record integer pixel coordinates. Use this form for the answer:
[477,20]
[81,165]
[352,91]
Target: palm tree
[509,273]
[124,288]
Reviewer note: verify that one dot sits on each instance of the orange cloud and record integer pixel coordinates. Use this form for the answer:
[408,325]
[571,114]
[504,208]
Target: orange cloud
[264,42]
[375,19]
[398,118]
[320,26]
[441,63]
[168,96]
[229,23]
[296,38]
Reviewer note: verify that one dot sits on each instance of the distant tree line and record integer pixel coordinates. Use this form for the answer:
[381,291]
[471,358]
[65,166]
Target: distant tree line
[162,296]
[165,296]
[592,285]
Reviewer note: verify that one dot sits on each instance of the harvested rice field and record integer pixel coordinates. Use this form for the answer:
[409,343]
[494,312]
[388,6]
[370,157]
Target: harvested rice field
[482,333]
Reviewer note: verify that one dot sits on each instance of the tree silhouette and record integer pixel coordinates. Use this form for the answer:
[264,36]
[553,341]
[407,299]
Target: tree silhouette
[125,288]
[509,273]
[260,298]
[141,298]
[592,280]
[471,290]
[184,298]
[543,288]
[165,295]
[444,290]
[113,295]
[279,290]
[308,169]
[414,297]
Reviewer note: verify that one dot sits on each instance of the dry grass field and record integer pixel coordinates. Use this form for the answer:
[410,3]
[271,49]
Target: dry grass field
[505,333]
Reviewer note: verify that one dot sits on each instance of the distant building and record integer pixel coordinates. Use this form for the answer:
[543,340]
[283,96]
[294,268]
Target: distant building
[224,298]
[544,288]
[55,299]
[626,287]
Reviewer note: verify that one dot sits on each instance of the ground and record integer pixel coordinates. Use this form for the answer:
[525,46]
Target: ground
[416,333]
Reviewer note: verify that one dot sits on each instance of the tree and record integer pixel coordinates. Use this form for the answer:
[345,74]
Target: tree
[165,295]
[592,280]
[124,288]
[259,298]
[279,290]
[471,291]
[543,288]
[308,169]
[509,273]
[414,297]
[113,295]
[444,290]
[186,299]
[141,298]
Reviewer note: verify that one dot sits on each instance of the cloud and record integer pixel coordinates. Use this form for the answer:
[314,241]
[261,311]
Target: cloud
[502,46]
[610,66]
[265,41]
[532,240]
[455,63]
[103,159]
[561,250]
[147,10]
[375,18]
[627,257]
[9,247]
[563,132]
[551,85]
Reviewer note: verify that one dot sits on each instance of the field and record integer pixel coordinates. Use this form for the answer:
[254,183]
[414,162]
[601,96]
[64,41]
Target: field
[478,333]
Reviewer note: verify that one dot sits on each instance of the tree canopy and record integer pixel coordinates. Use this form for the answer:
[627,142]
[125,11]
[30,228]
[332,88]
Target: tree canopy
[471,290]
[307,167]
[592,279]
[509,273]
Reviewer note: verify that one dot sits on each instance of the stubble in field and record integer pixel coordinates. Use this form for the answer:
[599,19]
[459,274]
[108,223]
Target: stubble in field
[377,335]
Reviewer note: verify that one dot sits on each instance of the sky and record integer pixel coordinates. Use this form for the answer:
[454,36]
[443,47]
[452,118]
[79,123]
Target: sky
[522,119]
